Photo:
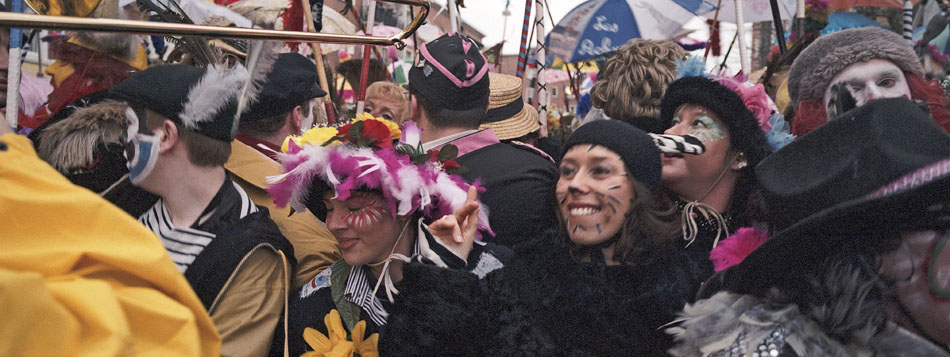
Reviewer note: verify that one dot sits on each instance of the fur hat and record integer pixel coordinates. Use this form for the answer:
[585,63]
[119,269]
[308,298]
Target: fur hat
[853,179]
[747,135]
[85,146]
[813,70]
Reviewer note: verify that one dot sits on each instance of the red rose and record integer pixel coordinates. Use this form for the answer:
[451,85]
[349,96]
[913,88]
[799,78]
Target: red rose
[378,133]
[373,133]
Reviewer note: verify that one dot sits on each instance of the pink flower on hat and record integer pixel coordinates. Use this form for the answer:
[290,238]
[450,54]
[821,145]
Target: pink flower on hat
[754,98]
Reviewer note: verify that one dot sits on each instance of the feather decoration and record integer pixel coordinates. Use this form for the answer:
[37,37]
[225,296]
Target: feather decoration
[780,133]
[260,60]
[405,186]
[213,92]
[692,66]
[199,48]
[72,142]
[734,249]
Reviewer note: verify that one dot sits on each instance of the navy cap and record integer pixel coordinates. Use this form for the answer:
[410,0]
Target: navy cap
[202,100]
[451,72]
[292,81]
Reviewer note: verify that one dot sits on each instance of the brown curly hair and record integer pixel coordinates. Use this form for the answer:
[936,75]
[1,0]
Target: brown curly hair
[632,81]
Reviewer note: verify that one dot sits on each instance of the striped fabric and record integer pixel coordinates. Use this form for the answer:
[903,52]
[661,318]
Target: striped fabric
[908,18]
[182,243]
[678,144]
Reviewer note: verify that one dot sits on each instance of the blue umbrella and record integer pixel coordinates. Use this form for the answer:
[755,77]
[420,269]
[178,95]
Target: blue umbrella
[597,27]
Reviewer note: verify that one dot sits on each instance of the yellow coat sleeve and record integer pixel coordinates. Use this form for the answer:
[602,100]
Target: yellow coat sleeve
[78,276]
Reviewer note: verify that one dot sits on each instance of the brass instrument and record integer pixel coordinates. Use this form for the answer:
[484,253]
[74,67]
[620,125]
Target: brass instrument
[76,23]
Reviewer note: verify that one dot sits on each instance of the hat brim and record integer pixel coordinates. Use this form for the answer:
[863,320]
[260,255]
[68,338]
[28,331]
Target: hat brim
[809,241]
[519,125]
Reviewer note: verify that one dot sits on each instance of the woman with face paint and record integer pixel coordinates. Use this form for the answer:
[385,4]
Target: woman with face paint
[712,191]
[603,282]
[376,199]
[860,264]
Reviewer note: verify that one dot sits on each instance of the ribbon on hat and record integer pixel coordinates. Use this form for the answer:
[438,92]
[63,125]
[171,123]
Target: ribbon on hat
[504,112]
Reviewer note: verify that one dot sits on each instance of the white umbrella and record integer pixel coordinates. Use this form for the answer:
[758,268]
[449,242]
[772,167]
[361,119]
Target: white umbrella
[752,10]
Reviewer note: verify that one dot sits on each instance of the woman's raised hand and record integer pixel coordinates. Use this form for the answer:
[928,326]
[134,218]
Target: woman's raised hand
[458,230]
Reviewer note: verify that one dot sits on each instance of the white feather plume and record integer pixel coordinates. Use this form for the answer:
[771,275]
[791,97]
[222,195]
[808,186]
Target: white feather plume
[211,94]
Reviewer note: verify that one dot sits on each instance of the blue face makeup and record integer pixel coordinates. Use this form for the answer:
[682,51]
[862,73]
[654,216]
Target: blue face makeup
[702,126]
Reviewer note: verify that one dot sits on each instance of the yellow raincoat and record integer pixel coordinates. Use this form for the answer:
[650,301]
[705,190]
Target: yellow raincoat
[80,277]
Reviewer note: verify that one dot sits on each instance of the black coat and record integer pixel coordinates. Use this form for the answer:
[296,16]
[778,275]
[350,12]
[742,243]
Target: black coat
[519,189]
[544,303]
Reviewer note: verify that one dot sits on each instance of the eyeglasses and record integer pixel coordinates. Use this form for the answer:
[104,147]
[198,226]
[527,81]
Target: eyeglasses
[938,269]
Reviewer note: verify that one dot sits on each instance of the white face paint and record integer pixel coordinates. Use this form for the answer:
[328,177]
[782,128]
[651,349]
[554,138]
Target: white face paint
[870,80]
[307,122]
[141,149]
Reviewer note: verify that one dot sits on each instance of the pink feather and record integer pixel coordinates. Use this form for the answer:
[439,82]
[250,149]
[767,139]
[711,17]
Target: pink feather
[734,249]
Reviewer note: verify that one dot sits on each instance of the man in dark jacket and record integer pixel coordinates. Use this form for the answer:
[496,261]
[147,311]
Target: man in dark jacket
[180,127]
[449,91]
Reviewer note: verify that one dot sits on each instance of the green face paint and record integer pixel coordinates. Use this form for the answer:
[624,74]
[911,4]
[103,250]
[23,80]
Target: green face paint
[705,129]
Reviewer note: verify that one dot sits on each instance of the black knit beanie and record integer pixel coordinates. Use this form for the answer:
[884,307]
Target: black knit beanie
[637,149]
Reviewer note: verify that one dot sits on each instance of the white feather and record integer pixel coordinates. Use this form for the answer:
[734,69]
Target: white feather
[260,61]
[212,93]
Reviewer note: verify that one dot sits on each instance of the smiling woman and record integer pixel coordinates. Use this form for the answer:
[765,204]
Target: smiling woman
[348,177]
[604,281]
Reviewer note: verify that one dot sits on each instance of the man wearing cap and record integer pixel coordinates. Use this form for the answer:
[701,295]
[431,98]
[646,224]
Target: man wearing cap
[449,96]
[284,107]
[182,120]
[850,68]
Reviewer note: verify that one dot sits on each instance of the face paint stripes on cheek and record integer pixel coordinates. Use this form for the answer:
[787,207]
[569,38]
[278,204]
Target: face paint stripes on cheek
[369,214]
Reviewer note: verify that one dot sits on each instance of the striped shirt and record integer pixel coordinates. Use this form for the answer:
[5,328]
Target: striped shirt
[184,244]
[359,285]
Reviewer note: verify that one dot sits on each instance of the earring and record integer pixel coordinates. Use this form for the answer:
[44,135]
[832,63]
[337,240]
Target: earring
[742,161]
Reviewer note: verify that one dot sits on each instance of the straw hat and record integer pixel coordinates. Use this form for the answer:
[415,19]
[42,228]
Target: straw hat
[507,115]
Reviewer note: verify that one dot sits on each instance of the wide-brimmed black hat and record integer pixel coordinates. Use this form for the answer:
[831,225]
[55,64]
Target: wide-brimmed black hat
[746,135]
[864,177]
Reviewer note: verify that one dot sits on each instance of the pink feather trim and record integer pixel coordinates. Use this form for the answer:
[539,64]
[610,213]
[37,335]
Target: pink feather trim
[386,170]
[734,249]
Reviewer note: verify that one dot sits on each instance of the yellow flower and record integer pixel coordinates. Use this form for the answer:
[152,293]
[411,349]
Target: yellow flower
[334,343]
[296,139]
[394,131]
[319,136]
[554,122]
[367,347]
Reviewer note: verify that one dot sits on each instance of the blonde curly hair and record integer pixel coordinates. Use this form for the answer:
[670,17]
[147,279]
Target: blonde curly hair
[632,82]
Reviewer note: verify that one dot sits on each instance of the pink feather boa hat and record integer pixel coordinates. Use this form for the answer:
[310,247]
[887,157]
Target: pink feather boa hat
[368,161]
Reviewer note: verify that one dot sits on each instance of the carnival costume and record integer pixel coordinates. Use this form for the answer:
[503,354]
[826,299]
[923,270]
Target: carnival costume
[90,282]
[867,183]
[346,300]
[547,301]
[234,256]
[756,130]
